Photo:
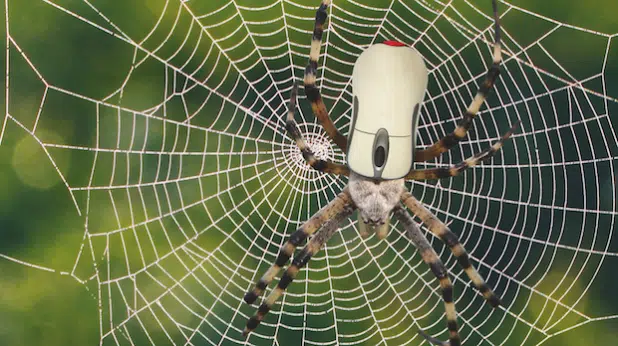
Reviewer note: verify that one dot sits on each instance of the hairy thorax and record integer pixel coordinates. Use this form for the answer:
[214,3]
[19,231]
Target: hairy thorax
[375,199]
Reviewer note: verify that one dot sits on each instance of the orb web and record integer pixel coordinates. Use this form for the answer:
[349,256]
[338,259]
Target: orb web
[193,184]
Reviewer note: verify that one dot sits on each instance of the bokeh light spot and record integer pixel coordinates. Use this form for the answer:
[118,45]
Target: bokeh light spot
[34,167]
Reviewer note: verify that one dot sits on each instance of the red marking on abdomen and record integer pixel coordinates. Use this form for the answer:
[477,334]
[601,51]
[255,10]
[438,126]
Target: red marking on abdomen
[394,43]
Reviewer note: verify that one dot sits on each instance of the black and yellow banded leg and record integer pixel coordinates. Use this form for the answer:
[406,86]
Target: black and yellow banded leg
[332,209]
[439,229]
[311,90]
[300,260]
[455,170]
[437,268]
[464,124]
[293,131]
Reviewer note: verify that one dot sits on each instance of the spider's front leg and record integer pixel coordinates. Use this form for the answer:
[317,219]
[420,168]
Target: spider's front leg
[464,125]
[455,170]
[311,90]
[293,131]
[300,260]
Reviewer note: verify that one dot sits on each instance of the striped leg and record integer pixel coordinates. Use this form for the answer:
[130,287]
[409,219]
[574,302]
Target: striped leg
[298,263]
[437,268]
[332,209]
[439,229]
[311,90]
[440,173]
[296,135]
[462,128]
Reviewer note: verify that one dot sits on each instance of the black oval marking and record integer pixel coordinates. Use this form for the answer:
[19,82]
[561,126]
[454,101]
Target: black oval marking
[380,152]
[379,157]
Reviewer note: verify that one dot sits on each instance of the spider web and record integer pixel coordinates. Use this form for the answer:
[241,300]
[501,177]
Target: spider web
[190,185]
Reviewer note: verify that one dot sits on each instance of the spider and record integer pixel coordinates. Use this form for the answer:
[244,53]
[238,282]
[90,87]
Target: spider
[389,83]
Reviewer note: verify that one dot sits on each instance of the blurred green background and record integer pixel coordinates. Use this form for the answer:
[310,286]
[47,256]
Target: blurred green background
[43,223]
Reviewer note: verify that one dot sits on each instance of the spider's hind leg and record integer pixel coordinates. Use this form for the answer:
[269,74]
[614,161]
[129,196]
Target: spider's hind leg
[335,207]
[439,229]
[300,260]
[437,268]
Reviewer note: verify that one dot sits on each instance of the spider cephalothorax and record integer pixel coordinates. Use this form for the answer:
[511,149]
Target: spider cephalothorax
[389,85]
[375,200]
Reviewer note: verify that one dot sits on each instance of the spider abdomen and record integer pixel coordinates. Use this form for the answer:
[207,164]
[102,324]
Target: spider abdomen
[389,84]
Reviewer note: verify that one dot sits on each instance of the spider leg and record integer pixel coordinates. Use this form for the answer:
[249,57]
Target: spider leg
[437,268]
[332,209]
[300,260]
[455,170]
[439,229]
[464,125]
[293,131]
[311,90]
[432,340]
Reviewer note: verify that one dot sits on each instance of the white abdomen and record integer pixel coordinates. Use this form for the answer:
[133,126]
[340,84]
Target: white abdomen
[389,84]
